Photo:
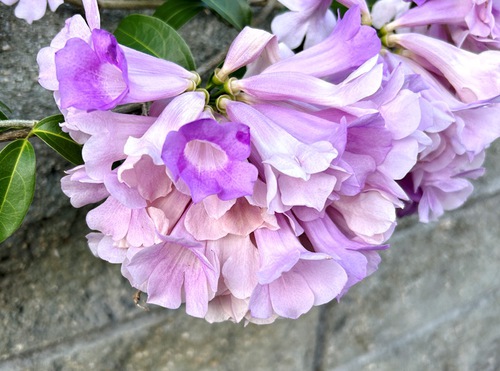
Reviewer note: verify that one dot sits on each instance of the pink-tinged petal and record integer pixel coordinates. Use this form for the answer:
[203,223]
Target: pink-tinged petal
[46,64]
[245,49]
[260,305]
[481,127]
[110,132]
[81,189]
[130,227]
[110,218]
[296,291]
[400,160]
[127,196]
[166,211]
[181,110]
[215,207]
[482,19]
[241,220]
[239,265]
[102,123]
[210,158]
[226,308]
[368,136]
[325,278]
[290,296]
[279,251]
[402,115]
[176,271]
[474,76]
[103,247]
[370,215]
[141,231]
[325,237]
[151,181]
[297,192]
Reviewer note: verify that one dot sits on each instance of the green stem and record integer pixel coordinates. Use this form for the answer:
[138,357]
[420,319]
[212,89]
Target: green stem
[17,124]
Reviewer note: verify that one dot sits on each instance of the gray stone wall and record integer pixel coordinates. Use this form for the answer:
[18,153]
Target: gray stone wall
[434,304]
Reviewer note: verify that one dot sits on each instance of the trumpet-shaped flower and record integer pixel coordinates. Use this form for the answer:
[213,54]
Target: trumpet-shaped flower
[211,159]
[474,76]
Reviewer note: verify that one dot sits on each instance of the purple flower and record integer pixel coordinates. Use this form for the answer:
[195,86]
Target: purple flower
[89,70]
[92,76]
[211,159]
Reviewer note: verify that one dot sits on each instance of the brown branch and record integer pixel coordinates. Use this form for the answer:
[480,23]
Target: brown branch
[123,4]
[14,134]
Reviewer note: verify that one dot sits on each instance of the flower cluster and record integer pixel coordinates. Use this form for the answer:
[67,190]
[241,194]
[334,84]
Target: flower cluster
[262,196]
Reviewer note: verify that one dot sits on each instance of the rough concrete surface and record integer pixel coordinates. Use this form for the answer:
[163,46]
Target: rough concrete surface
[434,304]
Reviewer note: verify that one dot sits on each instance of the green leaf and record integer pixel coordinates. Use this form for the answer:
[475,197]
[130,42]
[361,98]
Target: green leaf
[236,12]
[50,132]
[4,110]
[337,7]
[153,36]
[17,185]
[177,12]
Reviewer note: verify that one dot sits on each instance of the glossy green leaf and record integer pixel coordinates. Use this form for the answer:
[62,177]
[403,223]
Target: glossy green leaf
[177,12]
[17,185]
[153,36]
[236,12]
[50,132]
[4,110]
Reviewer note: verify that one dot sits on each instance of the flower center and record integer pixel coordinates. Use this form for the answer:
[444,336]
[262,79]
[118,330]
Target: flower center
[206,155]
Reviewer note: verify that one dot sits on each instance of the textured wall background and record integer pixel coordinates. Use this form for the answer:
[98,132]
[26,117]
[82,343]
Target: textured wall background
[434,304]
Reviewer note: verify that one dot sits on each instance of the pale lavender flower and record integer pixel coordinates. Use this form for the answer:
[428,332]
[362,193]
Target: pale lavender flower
[32,10]
[470,24]
[308,20]
[292,279]
[350,45]
[176,271]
